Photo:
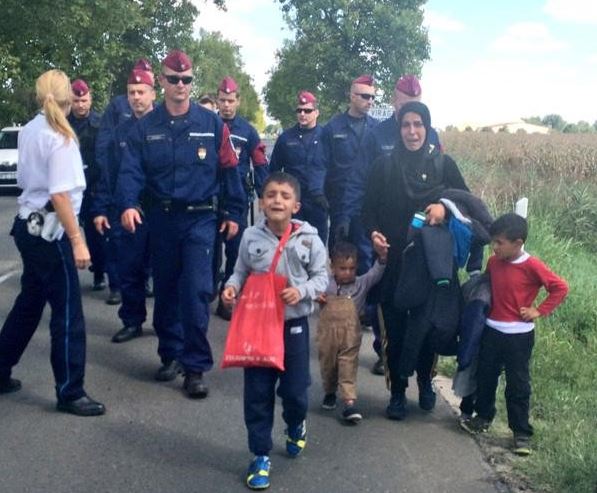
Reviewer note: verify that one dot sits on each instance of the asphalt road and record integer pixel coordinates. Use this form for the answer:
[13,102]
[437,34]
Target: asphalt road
[153,439]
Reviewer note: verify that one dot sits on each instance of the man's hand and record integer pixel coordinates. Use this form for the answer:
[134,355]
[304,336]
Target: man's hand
[341,231]
[101,224]
[321,201]
[290,296]
[230,227]
[529,314]
[228,296]
[130,218]
[436,213]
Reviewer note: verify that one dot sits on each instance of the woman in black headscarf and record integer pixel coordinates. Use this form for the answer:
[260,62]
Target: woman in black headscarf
[408,181]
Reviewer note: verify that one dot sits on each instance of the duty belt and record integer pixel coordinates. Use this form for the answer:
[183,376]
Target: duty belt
[179,206]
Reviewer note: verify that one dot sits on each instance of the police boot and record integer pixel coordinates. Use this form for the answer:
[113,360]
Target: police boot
[194,387]
[127,333]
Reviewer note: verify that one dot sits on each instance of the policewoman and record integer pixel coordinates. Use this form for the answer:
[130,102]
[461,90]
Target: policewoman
[181,156]
[294,153]
[47,235]
[252,166]
[129,250]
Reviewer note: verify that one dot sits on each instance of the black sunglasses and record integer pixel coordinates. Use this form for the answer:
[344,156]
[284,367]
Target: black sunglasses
[175,79]
[366,97]
[306,111]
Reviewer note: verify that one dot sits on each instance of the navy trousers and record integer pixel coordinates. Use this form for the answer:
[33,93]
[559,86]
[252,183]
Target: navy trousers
[260,388]
[49,276]
[316,216]
[512,352]
[181,245]
[131,252]
[95,242]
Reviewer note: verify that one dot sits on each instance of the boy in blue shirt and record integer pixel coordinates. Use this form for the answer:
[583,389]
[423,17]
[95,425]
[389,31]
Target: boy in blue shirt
[303,262]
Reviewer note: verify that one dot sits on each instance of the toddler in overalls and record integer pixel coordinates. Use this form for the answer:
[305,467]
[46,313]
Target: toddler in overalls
[339,329]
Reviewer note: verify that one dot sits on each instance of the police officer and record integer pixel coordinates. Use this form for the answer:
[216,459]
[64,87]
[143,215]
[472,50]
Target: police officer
[252,165]
[345,158]
[118,111]
[294,153]
[180,153]
[130,250]
[383,138]
[48,237]
[85,122]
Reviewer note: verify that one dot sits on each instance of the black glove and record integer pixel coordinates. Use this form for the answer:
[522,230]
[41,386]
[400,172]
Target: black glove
[341,231]
[321,201]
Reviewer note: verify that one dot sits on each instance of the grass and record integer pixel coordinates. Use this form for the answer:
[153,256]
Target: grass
[563,233]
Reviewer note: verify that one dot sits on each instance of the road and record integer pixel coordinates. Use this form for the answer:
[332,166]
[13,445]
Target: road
[153,439]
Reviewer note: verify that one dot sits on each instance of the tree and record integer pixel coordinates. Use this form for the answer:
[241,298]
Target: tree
[97,41]
[337,40]
[554,121]
[214,58]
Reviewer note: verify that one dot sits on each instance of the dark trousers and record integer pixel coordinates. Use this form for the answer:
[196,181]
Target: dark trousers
[49,276]
[316,216]
[260,388]
[513,353]
[95,242]
[181,245]
[396,325]
[231,247]
[131,252]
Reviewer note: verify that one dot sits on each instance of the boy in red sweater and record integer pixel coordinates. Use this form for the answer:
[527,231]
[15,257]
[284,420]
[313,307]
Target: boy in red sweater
[516,278]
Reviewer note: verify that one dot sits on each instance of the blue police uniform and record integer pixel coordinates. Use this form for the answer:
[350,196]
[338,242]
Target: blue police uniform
[128,251]
[86,130]
[184,164]
[345,157]
[295,152]
[249,149]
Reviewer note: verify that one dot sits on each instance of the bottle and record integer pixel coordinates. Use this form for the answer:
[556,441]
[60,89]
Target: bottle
[418,220]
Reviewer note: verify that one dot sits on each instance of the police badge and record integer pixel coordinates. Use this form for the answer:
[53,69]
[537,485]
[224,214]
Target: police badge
[202,152]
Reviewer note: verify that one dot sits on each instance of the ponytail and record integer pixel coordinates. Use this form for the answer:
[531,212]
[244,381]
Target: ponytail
[54,96]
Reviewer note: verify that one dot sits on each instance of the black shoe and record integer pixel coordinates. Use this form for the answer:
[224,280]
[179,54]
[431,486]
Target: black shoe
[83,406]
[426,395]
[168,371]
[378,367]
[99,284]
[9,385]
[194,386]
[351,414]
[127,333]
[223,312]
[148,289]
[397,407]
[329,401]
[114,298]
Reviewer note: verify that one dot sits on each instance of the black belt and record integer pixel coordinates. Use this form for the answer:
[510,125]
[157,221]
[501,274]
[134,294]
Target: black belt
[179,206]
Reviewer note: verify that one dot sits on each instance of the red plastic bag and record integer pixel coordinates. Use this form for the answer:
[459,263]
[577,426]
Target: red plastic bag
[256,332]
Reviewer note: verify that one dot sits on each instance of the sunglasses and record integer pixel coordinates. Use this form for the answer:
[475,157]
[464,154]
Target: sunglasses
[175,79]
[366,97]
[306,111]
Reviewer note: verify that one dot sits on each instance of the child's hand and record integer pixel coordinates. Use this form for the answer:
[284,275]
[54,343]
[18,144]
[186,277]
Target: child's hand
[228,296]
[529,313]
[322,299]
[436,213]
[290,296]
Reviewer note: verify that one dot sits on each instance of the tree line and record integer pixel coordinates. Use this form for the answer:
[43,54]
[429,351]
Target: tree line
[334,41]
[557,123]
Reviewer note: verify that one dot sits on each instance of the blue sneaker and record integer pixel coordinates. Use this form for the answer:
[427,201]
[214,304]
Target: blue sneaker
[396,409]
[296,439]
[258,473]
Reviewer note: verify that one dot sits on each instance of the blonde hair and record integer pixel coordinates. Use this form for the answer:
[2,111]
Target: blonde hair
[54,95]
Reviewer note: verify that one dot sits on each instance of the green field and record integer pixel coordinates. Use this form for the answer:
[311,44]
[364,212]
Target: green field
[559,176]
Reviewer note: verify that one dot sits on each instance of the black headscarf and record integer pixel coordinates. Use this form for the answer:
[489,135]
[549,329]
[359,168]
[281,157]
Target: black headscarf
[422,178]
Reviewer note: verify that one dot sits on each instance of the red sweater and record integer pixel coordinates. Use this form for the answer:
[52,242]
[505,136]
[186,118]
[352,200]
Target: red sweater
[516,284]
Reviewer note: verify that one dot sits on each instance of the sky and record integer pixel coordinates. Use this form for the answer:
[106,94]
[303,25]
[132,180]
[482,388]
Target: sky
[491,62]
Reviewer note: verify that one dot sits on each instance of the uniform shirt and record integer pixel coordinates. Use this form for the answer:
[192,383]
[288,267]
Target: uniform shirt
[344,155]
[515,284]
[86,129]
[294,153]
[358,289]
[48,164]
[303,262]
[382,139]
[187,159]
[249,149]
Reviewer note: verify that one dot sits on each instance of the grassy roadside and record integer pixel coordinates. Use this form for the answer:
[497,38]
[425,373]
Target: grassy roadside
[563,222]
